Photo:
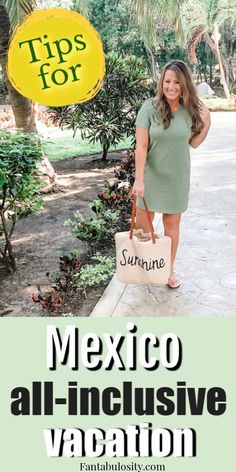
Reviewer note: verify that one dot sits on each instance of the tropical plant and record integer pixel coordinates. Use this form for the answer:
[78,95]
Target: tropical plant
[11,13]
[117,194]
[111,114]
[154,18]
[97,230]
[19,190]
[97,272]
[69,262]
[119,32]
[206,19]
[112,21]
[44,4]
[194,19]
[49,300]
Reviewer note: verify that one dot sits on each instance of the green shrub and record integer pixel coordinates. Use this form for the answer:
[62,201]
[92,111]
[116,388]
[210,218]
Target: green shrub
[70,262]
[19,190]
[117,193]
[96,273]
[110,116]
[68,265]
[97,230]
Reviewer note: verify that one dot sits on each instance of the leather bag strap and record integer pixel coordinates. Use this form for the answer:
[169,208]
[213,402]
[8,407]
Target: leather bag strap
[133,213]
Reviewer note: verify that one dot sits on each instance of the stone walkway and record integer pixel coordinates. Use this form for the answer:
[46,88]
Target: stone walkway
[206,262]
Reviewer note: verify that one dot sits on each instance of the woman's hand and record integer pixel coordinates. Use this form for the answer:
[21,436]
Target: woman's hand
[205,116]
[138,188]
[198,139]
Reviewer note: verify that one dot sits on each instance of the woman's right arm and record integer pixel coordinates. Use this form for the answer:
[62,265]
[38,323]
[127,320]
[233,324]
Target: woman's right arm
[142,141]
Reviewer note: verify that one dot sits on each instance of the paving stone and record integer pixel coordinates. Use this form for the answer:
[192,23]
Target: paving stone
[198,310]
[229,280]
[109,299]
[221,298]
[137,295]
[124,309]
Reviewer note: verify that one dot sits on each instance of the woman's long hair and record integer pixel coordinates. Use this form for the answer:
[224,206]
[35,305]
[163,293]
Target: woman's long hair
[189,98]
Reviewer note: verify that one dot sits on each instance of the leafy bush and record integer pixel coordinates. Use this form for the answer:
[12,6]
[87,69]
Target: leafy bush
[126,173]
[110,116]
[98,229]
[68,265]
[69,262]
[50,299]
[96,273]
[19,190]
[117,194]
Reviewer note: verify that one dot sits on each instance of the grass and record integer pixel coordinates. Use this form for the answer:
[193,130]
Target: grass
[67,147]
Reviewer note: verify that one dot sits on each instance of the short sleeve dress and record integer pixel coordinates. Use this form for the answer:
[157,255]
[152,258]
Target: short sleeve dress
[167,168]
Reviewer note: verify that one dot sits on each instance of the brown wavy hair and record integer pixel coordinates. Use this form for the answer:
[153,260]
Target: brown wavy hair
[189,98]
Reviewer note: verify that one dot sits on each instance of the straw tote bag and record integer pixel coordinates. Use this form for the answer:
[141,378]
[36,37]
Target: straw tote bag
[142,258]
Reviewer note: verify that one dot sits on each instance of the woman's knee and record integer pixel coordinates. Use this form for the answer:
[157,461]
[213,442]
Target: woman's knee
[171,222]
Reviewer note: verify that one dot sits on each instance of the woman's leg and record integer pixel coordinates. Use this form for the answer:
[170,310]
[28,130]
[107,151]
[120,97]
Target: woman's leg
[171,228]
[142,220]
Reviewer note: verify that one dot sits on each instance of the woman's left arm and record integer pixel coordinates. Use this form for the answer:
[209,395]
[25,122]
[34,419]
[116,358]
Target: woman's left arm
[198,139]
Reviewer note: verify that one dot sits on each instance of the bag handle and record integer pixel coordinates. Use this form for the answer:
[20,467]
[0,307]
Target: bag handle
[148,217]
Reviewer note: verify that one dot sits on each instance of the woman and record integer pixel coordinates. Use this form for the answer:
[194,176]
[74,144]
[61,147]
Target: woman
[165,127]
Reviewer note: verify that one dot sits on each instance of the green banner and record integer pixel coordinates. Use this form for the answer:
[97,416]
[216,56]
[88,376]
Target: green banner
[120,394]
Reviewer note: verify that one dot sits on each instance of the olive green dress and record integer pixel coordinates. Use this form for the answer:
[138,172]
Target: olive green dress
[167,168]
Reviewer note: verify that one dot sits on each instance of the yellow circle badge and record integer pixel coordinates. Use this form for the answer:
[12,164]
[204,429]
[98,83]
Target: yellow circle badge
[56,58]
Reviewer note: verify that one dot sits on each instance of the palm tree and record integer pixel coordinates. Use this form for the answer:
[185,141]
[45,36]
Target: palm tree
[11,13]
[194,19]
[149,15]
[208,25]
[21,106]
[82,6]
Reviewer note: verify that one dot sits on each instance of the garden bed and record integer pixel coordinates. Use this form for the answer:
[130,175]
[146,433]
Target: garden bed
[41,238]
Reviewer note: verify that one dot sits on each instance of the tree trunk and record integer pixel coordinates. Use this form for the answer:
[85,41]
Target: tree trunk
[211,75]
[21,106]
[223,64]
[105,151]
[216,38]
[213,48]
[152,62]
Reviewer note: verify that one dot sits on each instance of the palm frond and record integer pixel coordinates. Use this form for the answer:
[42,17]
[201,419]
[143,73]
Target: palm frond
[18,9]
[146,9]
[192,14]
[220,10]
[212,8]
[82,6]
[149,14]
